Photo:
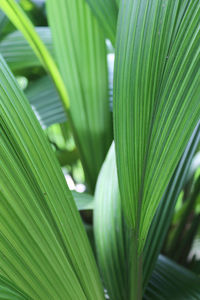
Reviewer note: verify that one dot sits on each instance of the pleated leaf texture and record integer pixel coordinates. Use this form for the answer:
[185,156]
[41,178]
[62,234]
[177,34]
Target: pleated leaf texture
[45,102]
[156,100]
[18,53]
[110,234]
[43,246]
[163,217]
[175,282]
[8,291]
[106,13]
[81,55]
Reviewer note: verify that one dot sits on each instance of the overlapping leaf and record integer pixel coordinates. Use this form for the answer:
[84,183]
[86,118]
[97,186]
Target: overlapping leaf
[45,102]
[110,232]
[156,100]
[8,291]
[23,23]
[171,281]
[81,55]
[83,201]
[163,217]
[18,53]
[106,13]
[43,246]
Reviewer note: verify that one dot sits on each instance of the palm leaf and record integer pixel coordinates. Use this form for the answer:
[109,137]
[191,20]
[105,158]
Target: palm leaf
[3,21]
[18,53]
[156,103]
[8,291]
[22,22]
[171,281]
[164,213]
[43,245]
[106,13]
[84,70]
[110,232]
[45,102]
[83,201]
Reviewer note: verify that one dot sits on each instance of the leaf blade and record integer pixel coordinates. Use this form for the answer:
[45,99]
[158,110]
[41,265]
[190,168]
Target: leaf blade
[40,225]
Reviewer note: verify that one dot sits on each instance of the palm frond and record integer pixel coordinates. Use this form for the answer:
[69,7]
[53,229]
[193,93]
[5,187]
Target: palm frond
[106,12]
[162,220]
[110,232]
[171,281]
[156,101]
[18,53]
[81,54]
[45,102]
[43,245]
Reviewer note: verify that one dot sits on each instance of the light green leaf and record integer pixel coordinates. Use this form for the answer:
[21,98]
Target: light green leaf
[83,201]
[109,231]
[18,53]
[171,281]
[81,54]
[106,12]
[156,100]
[43,245]
[45,102]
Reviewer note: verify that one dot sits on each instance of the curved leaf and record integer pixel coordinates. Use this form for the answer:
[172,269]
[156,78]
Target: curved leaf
[106,13]
[156,100]
[163,217]
[22,22]
[83,201]
[8,291]
[45,102]
[81,55]
[171,281]
[43,245]
[18,53]
[110,232]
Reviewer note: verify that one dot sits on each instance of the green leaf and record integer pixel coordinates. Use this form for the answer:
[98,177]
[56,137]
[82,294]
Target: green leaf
[171,281]
[110,232]
[183,234]
[43,245]
[106,12]
[18,53]
[45,102]
[67,157]
[156,100]
[83,201]
[164,213]
[22,22]
[8,291]
[81,54]
[3,21]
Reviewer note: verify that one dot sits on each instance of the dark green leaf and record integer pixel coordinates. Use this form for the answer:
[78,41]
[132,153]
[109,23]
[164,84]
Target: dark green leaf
[163,217]
[171,281]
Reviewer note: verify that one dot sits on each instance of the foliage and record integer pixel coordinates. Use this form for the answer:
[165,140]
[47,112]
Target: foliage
[125,141]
